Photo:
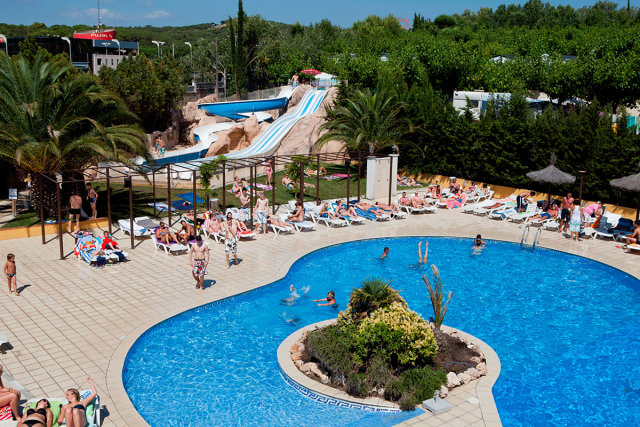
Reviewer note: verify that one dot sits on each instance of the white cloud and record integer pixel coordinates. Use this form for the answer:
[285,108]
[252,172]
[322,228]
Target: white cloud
[92,13]
[156,14]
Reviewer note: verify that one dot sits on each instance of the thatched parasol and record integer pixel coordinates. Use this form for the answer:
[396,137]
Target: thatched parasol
[628,183]
[551,175]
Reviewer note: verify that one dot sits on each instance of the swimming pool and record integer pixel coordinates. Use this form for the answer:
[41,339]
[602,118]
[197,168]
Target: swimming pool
[565,329]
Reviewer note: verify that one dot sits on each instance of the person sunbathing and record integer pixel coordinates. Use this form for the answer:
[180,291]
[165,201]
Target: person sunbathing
[370,208]
[313,172]
[164,235]
[212,224]
[392,208]
[186,233]
[418,202]
[39,417]
[550,213]
[434,191]
[194,220]
[406,181]
[286,181]
[405,200]
[242,227]
[74,412]
[298,215]
[277,222]
[235,187]
[343,211]
[9,396]
[325,212]
[109,243]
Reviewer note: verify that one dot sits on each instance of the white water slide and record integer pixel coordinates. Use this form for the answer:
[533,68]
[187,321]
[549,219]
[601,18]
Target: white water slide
[268,141]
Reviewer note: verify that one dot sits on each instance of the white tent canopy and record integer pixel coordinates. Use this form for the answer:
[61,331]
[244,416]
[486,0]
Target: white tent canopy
[324,76]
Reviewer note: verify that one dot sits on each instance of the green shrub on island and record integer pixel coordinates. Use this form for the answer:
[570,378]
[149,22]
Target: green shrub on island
[379,347]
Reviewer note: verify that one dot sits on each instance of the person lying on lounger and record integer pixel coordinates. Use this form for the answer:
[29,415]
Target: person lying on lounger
[298,215]
[288,182]
[418,202]
[277,222]
[407,182]
[39,417]
[370,208]
[550,213]
[164,235]
[74,412]
[342,210]
[388,208]
[109,243]
[313,172]
[325,212]
[212,224]
[405,200]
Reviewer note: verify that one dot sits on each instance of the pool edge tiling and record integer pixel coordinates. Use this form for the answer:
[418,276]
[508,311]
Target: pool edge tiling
[445,224]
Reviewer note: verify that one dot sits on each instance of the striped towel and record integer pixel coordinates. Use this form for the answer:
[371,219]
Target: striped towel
[264,187]
[5,413]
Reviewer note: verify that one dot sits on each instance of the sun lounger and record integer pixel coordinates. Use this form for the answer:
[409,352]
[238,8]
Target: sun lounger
[146,222]
[277,229]
[138,230]
[315,217]
[469,208]
[162,207]
[633,247]
[372,216]
[300,225]
[532,210]
[503,214]
[173,248]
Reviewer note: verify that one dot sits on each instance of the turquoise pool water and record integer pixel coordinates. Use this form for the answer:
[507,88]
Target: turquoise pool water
[566,330]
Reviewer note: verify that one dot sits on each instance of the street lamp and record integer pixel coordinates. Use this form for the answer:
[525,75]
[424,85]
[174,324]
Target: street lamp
[190,53]
[117,41]
[581,179]
[6,43]
[157,43]
[68,41]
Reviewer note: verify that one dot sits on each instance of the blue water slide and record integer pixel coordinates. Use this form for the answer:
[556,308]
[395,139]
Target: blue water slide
[234,109]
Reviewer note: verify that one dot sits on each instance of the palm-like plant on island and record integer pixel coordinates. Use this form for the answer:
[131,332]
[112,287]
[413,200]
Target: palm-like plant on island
[50,122]
[440,307]
[369,120]
[374,293]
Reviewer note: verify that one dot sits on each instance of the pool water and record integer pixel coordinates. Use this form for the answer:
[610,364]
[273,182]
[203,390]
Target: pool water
[566,330]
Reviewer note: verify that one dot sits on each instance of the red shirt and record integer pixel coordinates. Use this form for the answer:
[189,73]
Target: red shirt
[106,241]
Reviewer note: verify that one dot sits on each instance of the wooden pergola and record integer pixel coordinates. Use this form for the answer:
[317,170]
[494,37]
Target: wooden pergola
[149,172]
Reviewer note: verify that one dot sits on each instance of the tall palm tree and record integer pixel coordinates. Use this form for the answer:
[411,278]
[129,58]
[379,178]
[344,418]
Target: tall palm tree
[52,122]
[369,120]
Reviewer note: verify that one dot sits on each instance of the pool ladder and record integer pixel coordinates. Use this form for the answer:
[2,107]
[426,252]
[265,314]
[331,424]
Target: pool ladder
[524,241]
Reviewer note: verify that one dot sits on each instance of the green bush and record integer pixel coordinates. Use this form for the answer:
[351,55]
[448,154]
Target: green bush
[356,385]
[413,386]
[332,347]
[379,340]
[379,372]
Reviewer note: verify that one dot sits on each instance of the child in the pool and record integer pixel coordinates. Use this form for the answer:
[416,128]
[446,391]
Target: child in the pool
[330,299]
[385,252]
[421,259]
[478,242]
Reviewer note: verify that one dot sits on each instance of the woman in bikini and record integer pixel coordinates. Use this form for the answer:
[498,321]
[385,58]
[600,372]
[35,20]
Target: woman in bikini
[212,225]
[235,187]
[326,213]
[343,211]
[268,172]
[74,412]
[39,417]
[9,396]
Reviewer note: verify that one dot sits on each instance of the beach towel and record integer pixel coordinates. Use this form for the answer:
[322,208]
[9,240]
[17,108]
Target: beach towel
[5,413]
[341,175]
[264,187]
[368,215]
[330,177]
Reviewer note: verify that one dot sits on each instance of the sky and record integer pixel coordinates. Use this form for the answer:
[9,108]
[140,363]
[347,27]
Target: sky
[188,12]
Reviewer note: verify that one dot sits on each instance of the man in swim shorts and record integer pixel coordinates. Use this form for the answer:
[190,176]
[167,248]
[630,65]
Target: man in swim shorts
[565,212]
[199,259]
[92,197]
[262,209]
[75,208]
[230,238]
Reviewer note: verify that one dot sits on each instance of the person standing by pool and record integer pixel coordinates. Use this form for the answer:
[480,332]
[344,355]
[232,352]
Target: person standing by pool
[262,209]
[565,212]
[330,299]
[92,197]
[75,208]
[199,259]
[230,238]
[268,172]
[10,273]
[522,200]
[576,220]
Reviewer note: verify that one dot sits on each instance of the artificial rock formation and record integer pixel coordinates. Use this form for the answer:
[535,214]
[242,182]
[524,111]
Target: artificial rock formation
[238,137]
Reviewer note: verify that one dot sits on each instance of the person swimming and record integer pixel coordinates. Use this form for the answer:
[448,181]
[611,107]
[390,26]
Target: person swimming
[385,252]
[422,260]
[478,242]
[330,299]
[293,298]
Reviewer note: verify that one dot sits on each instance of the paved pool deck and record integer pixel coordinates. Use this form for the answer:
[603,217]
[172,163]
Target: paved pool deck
[72,321]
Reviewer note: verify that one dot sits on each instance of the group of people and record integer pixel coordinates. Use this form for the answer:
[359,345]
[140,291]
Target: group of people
[76,202]
[73,413]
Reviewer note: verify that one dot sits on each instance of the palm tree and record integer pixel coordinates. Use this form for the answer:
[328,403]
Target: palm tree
[374,293]
[53,122]
[369,120]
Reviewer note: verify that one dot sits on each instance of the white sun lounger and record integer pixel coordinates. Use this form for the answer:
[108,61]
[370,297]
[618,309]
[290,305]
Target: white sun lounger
[316,218]
[138,230]
[277,229]
[173,248]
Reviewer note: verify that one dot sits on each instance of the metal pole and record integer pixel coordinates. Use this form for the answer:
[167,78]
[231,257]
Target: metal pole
[273,186]
[301,188]
[194,198]
[359,172]
[60,222]
[224,186]
[318,180]
[581,179]
[390,178]
[252,186]
[217,99]
[109,200]
[348,164]
[153,174]
[41,209]
[131,231]
[169,191]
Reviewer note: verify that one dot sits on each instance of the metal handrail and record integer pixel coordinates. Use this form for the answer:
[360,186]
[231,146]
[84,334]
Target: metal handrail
[524,239]
[537,238]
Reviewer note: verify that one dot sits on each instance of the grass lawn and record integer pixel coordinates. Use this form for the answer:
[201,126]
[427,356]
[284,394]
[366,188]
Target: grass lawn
[142,195]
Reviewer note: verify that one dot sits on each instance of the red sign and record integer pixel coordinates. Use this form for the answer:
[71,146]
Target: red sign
[1,40]
[96,35]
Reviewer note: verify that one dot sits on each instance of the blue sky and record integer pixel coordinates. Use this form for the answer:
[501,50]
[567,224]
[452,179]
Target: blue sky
[185,12]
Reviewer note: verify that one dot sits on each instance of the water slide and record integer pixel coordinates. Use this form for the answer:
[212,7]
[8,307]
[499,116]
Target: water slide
[236,110]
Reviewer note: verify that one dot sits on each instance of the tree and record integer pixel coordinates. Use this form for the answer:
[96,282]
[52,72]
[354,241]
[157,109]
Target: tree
[29,49]
[374,293]
[368,121]
[238,58]
[150,89]
[51,124]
